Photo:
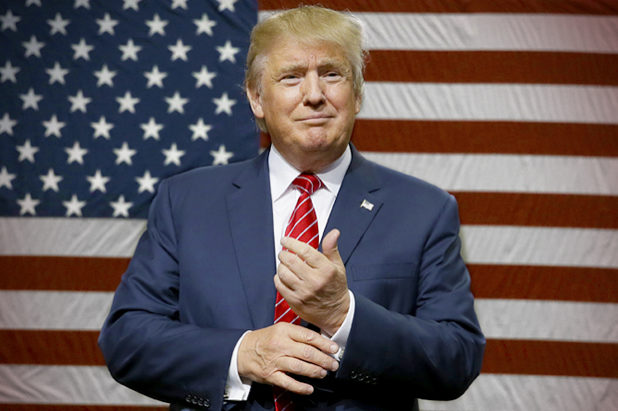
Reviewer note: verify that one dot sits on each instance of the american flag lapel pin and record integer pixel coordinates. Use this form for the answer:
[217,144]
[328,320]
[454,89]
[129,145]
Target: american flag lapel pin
[366,204]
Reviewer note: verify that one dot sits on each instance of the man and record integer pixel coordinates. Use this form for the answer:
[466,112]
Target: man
[386,314]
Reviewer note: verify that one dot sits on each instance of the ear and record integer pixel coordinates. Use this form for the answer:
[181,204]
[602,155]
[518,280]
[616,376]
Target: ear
[255,100]
[358,103]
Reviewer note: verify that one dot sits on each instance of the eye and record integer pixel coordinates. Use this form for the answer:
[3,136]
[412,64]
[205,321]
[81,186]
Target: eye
[289,79]
[332,75]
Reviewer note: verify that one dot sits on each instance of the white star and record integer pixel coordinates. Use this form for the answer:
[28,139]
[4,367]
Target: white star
[6,178]
[124,154]
[221,156]
[27,205]
[204,77]
[226,5]
[105,76]
[200,130]
[9,21]
[81,3]
[57,73]
[129,50]
[58,25]
[146,183]
[121,208]
[179,3]
[27,152]
[30,100]
[179,50]
[127,102]
[33,47]
[107,24]
[131,4]
[79,102]
[82,50]
[172,155]
[50,180]
[7,124]
[155,77]
[53,126]
[204,25]
[176,103]
[156,25]
[31,2]
[151,129]
[101,128]
[227,52]
[8,72]
[97,182]
[76,153]
[224,104]
[74,206]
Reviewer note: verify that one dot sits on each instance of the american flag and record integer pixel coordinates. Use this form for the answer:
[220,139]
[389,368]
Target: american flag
[510,105]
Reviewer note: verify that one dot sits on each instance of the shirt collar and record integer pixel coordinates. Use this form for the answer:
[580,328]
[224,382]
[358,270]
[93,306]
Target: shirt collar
[282,173]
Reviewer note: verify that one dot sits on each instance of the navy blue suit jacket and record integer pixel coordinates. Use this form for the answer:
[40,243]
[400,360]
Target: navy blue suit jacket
[202,275]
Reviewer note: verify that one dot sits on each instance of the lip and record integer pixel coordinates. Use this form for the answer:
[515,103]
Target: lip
[315,119]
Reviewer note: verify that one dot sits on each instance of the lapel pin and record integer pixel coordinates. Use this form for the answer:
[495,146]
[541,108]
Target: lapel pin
[366,204]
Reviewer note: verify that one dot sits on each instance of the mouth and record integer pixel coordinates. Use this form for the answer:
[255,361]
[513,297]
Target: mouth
[317,119]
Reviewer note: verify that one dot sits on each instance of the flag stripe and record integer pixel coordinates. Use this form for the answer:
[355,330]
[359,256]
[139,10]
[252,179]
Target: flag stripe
[586,284]
[459,6]
[47,347]
[499,102]
[495,137]
[526,209]
[491,67]
[544,283]
[499,318]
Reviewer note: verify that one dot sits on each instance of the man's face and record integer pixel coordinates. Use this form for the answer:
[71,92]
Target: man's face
[308,102]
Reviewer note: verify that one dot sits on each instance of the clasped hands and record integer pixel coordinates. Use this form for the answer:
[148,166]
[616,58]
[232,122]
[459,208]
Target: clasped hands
[315,286]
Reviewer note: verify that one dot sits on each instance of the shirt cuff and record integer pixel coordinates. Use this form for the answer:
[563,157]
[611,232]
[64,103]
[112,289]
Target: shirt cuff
[341,336]
[236,388]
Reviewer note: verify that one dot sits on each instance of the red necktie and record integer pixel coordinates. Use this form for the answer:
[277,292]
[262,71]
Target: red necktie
[303,226]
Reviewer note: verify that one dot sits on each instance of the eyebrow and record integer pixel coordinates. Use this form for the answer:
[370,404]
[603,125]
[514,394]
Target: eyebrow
[326,63]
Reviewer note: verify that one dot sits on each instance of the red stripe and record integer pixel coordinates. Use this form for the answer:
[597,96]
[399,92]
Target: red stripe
[563,358]
[543,210]
[492,67]
[501,357]
[583,284]
[455,6]
[485,137]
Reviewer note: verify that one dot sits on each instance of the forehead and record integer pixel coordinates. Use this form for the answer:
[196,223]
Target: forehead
[292,53]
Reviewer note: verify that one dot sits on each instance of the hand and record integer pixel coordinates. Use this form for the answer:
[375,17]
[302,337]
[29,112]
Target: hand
[314,284]
[268,354]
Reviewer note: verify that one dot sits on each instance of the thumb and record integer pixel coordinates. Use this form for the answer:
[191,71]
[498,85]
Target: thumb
[329,245]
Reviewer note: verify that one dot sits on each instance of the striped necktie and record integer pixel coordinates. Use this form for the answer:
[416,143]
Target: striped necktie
[303,226]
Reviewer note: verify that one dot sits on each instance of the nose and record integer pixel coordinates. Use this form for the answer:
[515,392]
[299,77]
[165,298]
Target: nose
[313,92]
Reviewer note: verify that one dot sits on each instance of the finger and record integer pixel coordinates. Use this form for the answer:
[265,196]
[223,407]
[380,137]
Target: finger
[330,247]
[314,361]
[288,277]
[307,336]
[299,367]
[281,379]
[304,251]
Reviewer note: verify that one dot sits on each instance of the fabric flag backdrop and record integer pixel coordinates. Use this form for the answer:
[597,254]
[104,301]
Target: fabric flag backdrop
[510,105]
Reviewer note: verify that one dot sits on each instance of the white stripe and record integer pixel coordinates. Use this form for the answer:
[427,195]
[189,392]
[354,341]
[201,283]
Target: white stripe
[508,173]
[288,230]
[307,228]
[492,392]
[61,236]
[282,315]
[580,247]
[482,244]
[548,320]
[497,102]
[489,31]
[528,319]
[65,385]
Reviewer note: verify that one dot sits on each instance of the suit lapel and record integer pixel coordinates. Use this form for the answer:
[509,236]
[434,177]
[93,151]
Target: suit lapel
[356,205]
[250,215]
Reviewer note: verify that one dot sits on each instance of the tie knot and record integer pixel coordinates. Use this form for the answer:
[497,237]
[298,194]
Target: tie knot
[308,183]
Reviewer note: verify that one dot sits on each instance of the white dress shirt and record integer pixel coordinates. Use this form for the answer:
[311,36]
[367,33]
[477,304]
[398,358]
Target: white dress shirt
[284,197]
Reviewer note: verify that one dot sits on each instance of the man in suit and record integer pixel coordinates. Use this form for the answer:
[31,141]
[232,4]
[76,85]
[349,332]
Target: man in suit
[386,314]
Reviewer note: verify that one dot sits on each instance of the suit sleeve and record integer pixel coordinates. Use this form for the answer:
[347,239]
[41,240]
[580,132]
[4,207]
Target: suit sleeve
[145,345]
[434,352]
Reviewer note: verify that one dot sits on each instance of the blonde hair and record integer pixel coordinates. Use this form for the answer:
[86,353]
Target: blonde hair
[308,24]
